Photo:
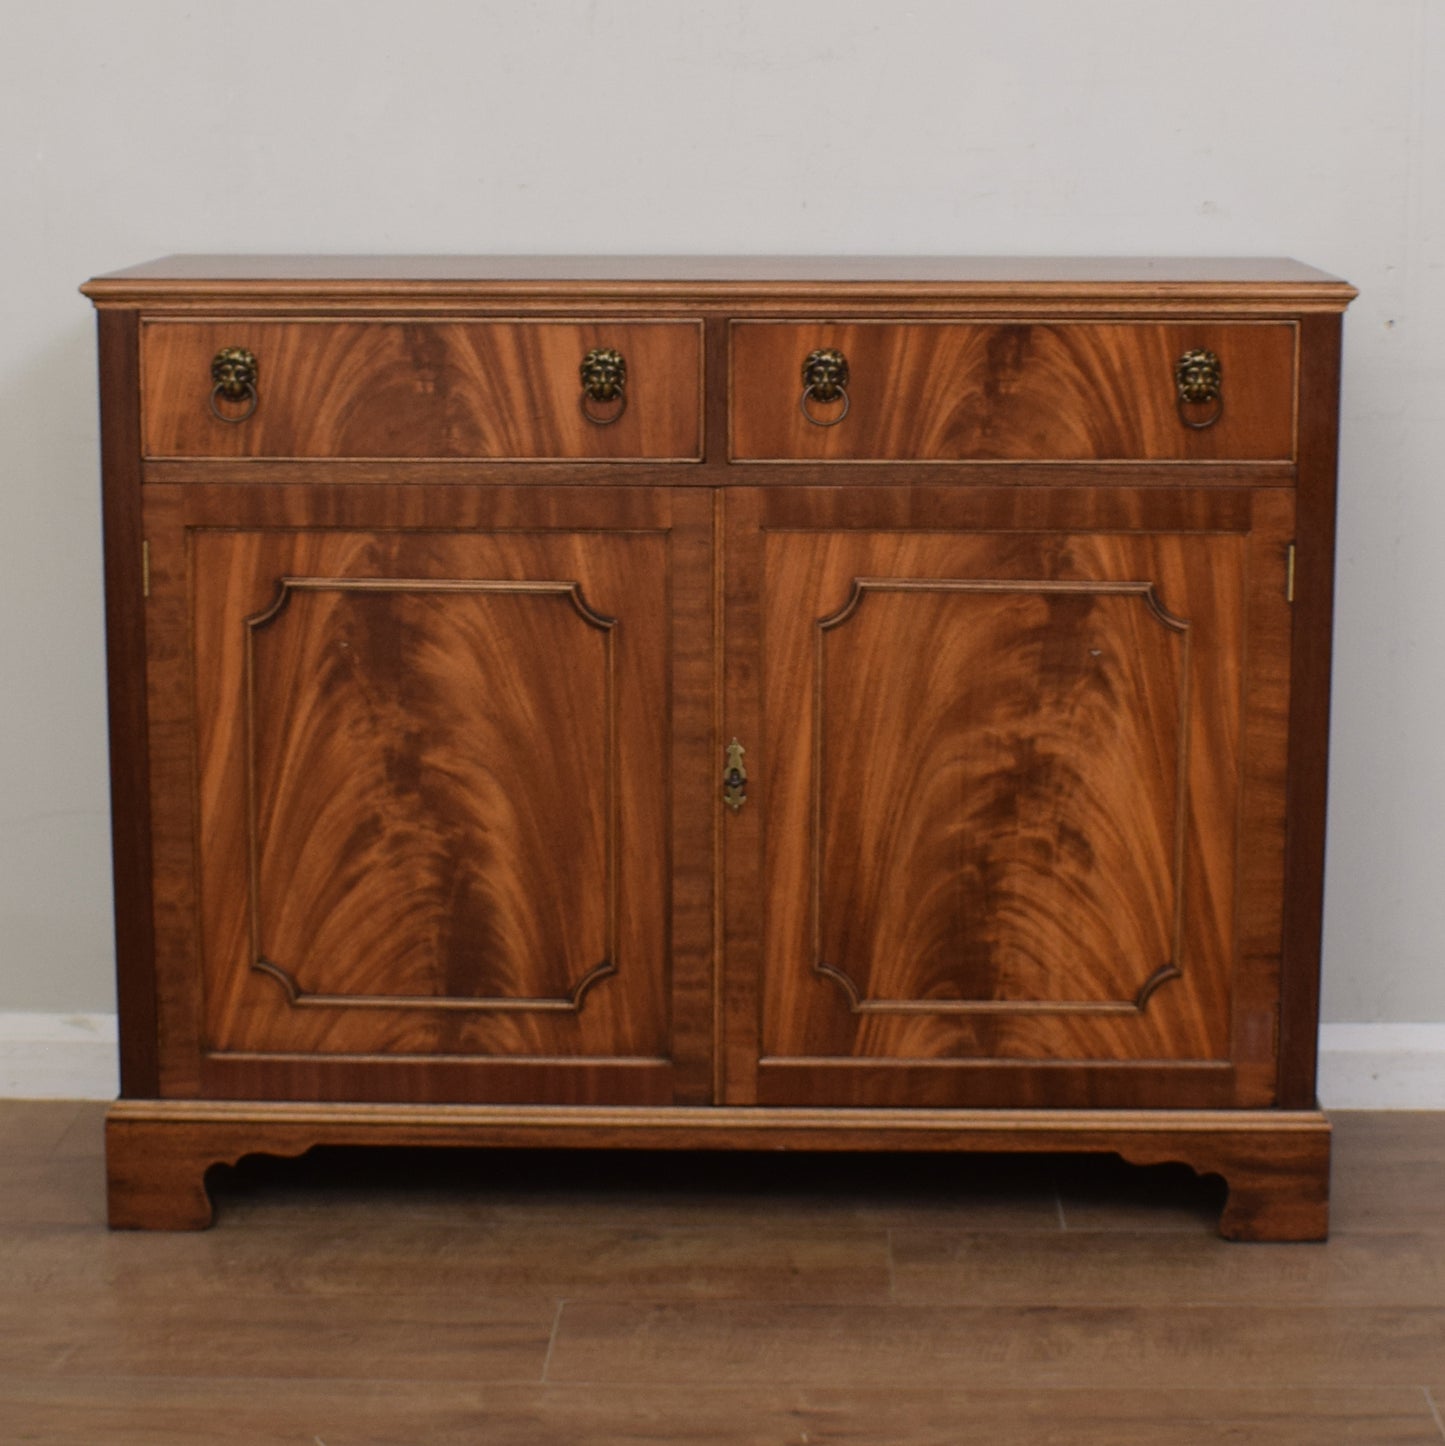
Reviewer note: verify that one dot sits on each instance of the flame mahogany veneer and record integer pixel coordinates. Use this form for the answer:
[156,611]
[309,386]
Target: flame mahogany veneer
[422,680]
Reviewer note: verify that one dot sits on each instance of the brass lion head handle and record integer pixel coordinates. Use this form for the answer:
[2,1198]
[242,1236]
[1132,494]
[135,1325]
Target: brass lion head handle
[233,376]
[1199,382]
[604,379]
[825,379]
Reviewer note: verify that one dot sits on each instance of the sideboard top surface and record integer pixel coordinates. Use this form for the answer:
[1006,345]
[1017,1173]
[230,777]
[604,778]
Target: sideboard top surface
[1272,284]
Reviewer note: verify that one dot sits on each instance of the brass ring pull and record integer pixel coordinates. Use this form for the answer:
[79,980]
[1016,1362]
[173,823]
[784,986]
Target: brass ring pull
[600,421]
[824,421]
[1204,422]
[249,393]
[825,379]
[604,379]
[1199,381]
[233,373]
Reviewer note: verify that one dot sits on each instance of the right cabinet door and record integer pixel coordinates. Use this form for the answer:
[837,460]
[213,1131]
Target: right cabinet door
[1015,825]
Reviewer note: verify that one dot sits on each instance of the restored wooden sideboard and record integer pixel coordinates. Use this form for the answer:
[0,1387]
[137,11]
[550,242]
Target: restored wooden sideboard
[738,704]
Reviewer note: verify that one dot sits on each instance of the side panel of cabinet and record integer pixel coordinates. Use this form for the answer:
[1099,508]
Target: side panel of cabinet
[1016,765]
[416,755]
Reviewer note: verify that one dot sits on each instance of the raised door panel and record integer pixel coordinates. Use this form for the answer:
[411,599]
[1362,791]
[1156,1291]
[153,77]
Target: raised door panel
[432,802]
[429,768]
[1021,747]
[1017,784]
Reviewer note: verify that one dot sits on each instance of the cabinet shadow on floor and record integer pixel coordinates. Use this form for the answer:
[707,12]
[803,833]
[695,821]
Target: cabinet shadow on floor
[657,1188]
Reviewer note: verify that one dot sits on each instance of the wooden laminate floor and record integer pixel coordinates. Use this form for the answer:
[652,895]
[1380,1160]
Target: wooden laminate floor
[352,1299]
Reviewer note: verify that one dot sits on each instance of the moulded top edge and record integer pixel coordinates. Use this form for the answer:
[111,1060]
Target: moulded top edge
[297,279]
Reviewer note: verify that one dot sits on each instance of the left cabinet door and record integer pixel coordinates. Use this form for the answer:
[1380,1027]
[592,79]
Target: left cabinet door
[424,766]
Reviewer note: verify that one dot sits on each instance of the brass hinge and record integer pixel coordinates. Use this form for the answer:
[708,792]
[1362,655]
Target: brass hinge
[145,569]
[1289,575]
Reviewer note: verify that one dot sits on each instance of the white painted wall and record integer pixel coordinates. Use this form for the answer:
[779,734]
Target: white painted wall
[1313,128]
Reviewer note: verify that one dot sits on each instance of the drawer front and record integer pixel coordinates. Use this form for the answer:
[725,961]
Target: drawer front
[380,389]
[1012,391]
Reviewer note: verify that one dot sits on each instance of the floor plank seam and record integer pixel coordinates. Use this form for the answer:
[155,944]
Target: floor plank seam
[552,1340]
[584,1386]
[105,1329]
[1434,1410]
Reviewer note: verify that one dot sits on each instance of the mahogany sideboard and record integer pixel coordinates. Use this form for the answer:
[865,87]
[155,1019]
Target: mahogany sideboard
[757,704]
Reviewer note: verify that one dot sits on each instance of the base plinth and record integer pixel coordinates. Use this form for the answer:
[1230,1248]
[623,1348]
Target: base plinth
[1275,1163]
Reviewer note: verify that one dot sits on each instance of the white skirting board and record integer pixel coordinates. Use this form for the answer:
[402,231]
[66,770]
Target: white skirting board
[1362,1066]
[58,1057]
[1382,1066]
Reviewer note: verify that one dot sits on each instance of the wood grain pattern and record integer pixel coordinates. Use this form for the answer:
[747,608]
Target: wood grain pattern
[485,1257]
[423,389]
[714,474]
[140,1411]
[413,846]
[657,285]
[1276,1163]
[966,814]
[125,648]
[963,391]
[1122,1262]
[893,783]
[378,824]
[273,1334]
[328,1245]
[1103,1348]
[404,849]
[435,712]
[740,856]
[1396,1180]
[1309,723]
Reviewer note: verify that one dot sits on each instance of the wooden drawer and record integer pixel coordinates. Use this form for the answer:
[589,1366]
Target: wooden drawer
[383,388]
[1012,391]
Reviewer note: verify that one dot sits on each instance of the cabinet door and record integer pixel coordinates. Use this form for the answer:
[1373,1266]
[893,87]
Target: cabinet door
[1014,832]
[415,756]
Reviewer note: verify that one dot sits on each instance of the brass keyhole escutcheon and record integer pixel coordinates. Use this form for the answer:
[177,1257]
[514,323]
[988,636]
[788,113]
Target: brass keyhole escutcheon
[735,777]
